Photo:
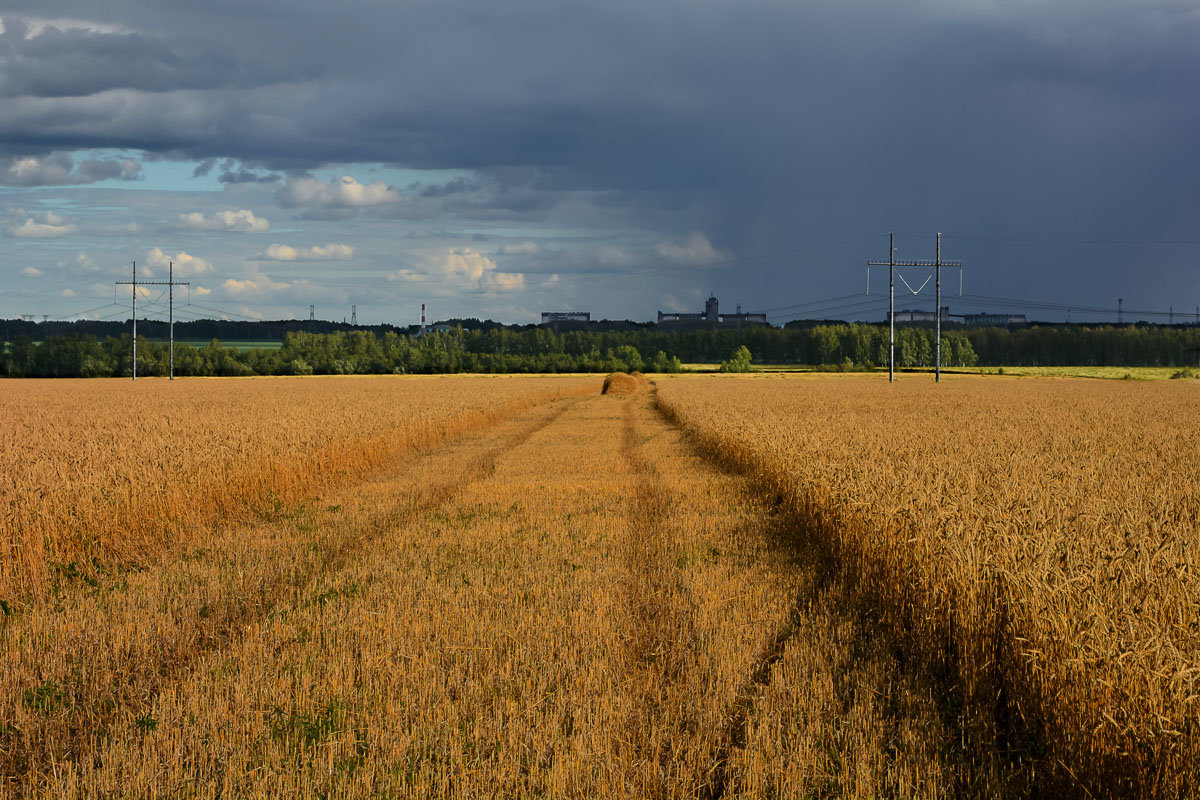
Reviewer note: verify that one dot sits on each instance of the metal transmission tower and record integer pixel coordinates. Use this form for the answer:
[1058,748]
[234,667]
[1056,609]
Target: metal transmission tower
[353,315]
[170,283]
[1120,310]
[936,265]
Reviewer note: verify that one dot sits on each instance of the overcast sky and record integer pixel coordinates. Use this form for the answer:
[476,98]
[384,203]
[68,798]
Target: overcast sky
[618,157]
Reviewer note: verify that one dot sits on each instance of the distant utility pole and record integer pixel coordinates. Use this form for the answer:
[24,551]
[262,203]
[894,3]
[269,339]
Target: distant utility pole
[937,313]
[891,304]
[892,264]
[170,283]
[1120,315]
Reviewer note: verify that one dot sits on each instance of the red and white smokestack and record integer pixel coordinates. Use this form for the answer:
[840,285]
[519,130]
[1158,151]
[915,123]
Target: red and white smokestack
[422,319]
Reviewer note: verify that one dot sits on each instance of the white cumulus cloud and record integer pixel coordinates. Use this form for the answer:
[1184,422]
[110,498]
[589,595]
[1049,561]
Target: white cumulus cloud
[257,287]
[473,270]
[407,275]
[344,192]
[242,220]
[40,226]
[185,264]
[695,250]
[58,169]
[505,281]
[334,251]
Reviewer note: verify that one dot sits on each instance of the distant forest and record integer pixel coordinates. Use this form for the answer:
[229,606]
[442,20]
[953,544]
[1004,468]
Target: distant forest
[496,348]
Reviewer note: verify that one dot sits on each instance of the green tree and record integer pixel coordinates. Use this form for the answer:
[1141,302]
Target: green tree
[661,363]
[629,355]
[738,361]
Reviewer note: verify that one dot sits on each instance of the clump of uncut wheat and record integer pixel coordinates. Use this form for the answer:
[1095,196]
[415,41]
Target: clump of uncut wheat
[1033,541]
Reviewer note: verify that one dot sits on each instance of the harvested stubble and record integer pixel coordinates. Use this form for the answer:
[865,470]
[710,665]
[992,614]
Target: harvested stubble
[1033,542]
[104,473]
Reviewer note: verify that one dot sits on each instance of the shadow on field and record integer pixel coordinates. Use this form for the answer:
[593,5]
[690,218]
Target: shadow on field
[984,747]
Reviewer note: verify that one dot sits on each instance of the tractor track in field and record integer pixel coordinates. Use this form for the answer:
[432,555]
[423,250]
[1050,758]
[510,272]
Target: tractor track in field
[733,736]
[24,751]
[812,580]
[652,503]
[659,608]
[675,557]
[821,587]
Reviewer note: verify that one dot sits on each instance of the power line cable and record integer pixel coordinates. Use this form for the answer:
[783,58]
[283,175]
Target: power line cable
[88,311]
[844,308]
[822,301]
[1034,240]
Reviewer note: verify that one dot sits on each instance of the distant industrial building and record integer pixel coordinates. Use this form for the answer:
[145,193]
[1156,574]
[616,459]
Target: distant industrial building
[909,315]
[566,316]
[970,320]
[980,320]
[711,316]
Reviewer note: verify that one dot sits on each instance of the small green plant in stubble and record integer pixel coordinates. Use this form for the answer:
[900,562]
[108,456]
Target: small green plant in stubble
[46,698]
[306,728]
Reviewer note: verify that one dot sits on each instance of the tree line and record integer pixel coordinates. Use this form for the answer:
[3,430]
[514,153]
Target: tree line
[537,349]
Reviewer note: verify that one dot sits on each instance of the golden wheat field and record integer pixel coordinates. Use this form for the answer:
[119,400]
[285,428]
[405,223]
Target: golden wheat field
[694,587]
[1035,542]
[94,471]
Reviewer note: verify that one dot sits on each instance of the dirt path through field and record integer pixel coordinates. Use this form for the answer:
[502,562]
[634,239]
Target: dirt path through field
[570,603]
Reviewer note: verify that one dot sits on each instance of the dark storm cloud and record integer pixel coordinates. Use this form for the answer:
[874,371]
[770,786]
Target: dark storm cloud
[769,126]
[246,176]
[69,63]
[233,172]
[457,186]
[496,193]
[99,169]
